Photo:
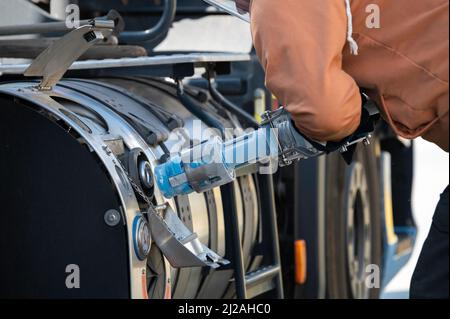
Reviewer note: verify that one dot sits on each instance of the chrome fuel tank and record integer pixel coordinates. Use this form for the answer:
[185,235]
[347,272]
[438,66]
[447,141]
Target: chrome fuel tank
[70,159]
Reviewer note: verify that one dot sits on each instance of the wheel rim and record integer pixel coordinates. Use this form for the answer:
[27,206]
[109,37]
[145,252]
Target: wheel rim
[358,230]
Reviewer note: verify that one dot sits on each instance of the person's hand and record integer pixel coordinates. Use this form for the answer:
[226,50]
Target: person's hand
[243,6]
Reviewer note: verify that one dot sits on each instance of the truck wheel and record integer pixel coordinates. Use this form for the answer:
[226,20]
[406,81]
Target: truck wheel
[353,225]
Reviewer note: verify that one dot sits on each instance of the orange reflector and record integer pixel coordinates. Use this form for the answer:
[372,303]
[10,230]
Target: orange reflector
[300,261]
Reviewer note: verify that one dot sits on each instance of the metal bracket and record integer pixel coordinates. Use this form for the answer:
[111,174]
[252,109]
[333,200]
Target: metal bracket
[180,246]
[54,61]
[365,140]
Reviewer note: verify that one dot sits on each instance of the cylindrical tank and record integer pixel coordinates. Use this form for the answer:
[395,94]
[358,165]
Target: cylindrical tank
[74,162]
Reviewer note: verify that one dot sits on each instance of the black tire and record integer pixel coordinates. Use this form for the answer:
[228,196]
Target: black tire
[353,224]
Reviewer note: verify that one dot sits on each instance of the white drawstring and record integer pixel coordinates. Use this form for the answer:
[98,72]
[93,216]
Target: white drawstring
[351,41]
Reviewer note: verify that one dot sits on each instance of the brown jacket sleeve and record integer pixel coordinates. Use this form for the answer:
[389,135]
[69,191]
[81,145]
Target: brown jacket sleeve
[300,44]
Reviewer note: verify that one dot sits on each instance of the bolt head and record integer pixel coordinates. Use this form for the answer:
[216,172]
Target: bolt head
[112,217]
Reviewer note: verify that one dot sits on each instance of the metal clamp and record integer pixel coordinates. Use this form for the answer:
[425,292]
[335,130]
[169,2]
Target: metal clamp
[180,246]
[54,61]
[292,146]
[267,119]
[365,140]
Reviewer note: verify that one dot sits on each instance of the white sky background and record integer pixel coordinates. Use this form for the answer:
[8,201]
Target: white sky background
[210,33]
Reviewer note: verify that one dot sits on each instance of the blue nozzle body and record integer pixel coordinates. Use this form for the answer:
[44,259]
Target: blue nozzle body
[213,163]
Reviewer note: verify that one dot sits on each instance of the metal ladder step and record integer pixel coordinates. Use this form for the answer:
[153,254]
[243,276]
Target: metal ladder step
[260,281]
[266,278]
[260,275]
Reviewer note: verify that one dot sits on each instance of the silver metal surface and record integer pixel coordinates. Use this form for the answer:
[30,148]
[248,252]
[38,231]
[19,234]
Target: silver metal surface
[54,26]
[37,28]
[220,222]
[145,174]
[115,144]
[292,146]
[229,6]
[103,24]
[59,56]
[261,275]
[197,58]
[365,140]
[180,246]
[200,218]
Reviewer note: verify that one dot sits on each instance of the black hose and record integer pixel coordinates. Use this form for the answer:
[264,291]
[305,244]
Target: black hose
[193,107]
[161,28]
[241,114]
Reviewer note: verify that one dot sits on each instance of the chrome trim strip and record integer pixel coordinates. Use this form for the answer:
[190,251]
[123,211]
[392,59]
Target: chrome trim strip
[196,58]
